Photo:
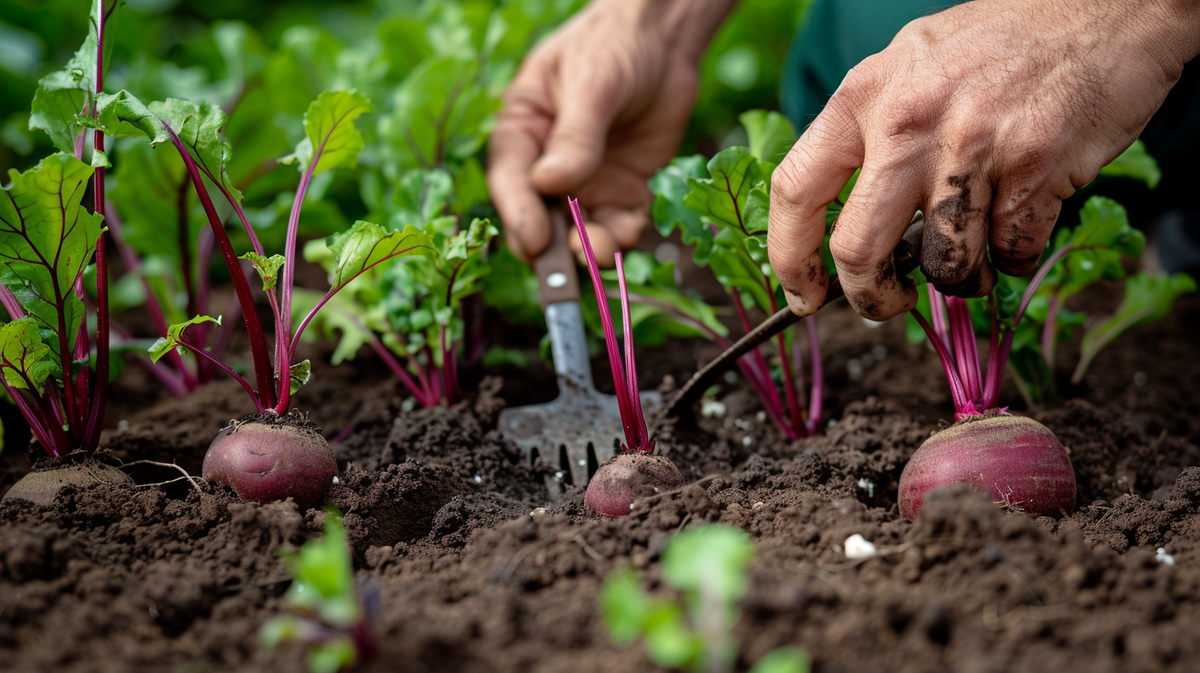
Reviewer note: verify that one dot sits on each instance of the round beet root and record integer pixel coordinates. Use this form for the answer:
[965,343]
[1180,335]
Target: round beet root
[41,485]
[1015,460]
[272,459]
[627,477]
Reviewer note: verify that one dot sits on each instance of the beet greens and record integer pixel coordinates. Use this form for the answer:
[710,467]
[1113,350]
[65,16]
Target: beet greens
[47,240]
[720,207]
[331,141]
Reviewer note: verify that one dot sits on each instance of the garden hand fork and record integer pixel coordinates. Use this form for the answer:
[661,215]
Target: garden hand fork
[581,428]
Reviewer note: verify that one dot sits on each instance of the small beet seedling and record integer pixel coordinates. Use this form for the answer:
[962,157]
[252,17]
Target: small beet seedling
[635,472]
[720,207]
[1016,460]
[708,566]
[331,618]
[47,241]
[272,454]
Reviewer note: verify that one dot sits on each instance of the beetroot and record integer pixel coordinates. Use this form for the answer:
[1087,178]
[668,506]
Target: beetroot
[1015,460]
[272,459]
[627,477]
[42,485]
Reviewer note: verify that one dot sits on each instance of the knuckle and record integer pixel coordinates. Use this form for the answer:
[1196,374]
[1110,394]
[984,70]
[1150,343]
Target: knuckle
[852,254]
[786,180]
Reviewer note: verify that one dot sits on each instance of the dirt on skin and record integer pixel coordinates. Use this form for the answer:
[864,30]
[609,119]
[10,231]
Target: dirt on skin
[477,571]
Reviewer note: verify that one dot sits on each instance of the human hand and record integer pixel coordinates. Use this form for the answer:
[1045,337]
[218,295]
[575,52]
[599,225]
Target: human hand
[593,112]
[984,116]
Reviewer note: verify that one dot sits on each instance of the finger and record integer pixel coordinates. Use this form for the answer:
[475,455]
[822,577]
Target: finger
[512,150]
[1021,223]
[810,177]
[954,254]
[625,225]
[604,245]
[883,202]
[575,145]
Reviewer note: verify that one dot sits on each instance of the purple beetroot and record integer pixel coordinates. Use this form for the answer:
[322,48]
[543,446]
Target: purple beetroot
[1016,461]
[635,472]
[269,459]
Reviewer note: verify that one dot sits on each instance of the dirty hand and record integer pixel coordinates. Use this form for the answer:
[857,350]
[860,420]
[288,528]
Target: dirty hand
[593,112]
[984,116]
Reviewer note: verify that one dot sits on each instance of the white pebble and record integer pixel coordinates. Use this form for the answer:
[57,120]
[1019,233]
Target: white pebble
[713,409]
[868,486]
[478,479]
[857,548]
[336,481]
[747,440]
[538,512]
[854,368]
[731,377]
[1163,557]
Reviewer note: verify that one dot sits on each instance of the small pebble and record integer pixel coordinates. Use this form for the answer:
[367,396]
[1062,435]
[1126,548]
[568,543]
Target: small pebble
[122,425]
[336,481]
[857,548]
[558,475]
[731,377]
[713,409]
[880,352]
[478,479]
[408,404]
[582,462]
[758,505]
[854,368]
[538,512]
[868,486]
[1140,379]
[1163,557]
[747,440]
[832,422]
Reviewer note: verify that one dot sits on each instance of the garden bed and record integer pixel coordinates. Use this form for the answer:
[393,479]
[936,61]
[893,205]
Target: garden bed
[477,571]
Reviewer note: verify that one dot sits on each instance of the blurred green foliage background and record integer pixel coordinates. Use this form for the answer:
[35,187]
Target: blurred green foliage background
[186,48]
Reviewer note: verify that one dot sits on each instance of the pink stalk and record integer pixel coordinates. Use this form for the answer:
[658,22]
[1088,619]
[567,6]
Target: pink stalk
[1050,331]
[99,401]
[133,264]
[965,345]
[643,441]
[629,417]
[767,392]
[254,329]
[815,401]
[393,364]
[941,322]
[957,392]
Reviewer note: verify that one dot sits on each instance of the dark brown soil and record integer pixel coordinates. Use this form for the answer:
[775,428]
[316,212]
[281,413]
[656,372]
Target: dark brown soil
[476,571]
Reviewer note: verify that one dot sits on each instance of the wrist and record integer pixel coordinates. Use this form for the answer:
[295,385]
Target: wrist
[684,26]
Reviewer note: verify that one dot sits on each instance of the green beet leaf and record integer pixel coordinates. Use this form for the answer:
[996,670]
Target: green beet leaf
[329,128]
[439,114]
[174,338]
[267,267]
[46,242]
[66,92]
[1135,162]
[735,171]
[769,134]
[366,245]
[26,361]
[198,126]
[783,660]
[671,186]
[1148,297]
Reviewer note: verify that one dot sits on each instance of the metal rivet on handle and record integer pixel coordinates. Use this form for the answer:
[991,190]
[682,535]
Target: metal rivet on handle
[556,279]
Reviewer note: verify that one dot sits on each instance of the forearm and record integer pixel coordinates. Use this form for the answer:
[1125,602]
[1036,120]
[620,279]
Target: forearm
[685,25]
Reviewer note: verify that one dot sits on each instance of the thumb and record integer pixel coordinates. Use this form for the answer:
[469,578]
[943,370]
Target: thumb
[575,147]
